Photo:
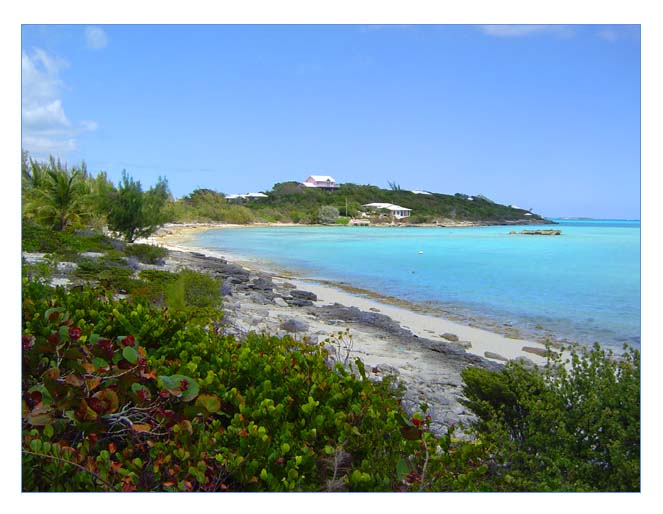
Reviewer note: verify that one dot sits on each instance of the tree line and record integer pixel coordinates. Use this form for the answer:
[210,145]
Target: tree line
[62,198]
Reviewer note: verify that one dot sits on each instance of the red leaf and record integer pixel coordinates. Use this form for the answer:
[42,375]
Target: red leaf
[75,333]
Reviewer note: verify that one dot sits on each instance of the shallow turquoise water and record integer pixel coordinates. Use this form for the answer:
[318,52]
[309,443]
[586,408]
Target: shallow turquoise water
[583,285]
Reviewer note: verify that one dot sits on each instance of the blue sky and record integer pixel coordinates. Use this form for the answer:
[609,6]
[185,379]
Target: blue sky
[544,117]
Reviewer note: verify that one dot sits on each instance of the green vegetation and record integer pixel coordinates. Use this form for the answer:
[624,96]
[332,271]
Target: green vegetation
[63,200]
[134,214]
[110,405]
[129,384]
[205,205]
[299,204]
[327,215]
[148,254]
[53,195]
[570,428]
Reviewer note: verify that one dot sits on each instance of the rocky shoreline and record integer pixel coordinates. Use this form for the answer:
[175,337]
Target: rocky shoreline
[263,302]
[424,352]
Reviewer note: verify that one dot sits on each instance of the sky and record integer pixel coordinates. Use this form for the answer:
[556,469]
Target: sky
[545,117]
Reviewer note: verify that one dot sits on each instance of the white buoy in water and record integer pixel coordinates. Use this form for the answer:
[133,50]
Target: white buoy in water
[420,252]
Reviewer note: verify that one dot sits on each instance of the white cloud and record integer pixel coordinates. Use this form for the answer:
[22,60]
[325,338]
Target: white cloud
[89,125]
[608,34]
[44,146]
[613,33]
[46,129]
[95,38]
[526,30]
[45,117]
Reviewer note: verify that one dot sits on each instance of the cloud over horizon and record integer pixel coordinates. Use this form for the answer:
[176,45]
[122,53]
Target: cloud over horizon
[46,129]
[526,30]
[95,38]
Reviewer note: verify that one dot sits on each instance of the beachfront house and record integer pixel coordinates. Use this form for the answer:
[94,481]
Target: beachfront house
[320,181]
[247,196]
[396,211]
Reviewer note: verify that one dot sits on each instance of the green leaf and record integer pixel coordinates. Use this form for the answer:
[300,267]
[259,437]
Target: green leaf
[174,385]
[130,354]
[99,363]
[402,469]
[210,402]
[49,315]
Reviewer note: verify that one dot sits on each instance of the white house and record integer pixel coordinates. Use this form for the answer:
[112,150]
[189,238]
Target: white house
[420,192]
[396,210]
[321,181]
[247,195]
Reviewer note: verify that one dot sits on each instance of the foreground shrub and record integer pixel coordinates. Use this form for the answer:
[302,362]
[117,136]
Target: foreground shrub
[147,254]
[178,407]
[37,238]
[574,427]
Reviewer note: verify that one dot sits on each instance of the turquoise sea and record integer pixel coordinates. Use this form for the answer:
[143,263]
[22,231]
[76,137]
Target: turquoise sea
[583,286]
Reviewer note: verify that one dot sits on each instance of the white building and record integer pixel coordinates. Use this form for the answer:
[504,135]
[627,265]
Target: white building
[420,192]
[321,181]
[247,195]
[396,210]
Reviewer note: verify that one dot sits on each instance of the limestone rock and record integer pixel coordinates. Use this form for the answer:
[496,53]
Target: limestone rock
[34,258]
[303,295]
[280,302]
[91,255]
[66,267]
[262,284]
[495,356]
[294,325]
[450,337]
[298,302]
[536,351]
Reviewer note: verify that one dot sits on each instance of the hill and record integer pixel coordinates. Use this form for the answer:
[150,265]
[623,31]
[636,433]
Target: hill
[293,202]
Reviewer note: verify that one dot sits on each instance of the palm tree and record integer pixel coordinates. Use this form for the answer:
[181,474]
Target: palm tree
[59,199]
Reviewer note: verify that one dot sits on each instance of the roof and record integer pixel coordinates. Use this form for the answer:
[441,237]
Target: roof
[322,178]
[247,195]
[389,206]
[420,192]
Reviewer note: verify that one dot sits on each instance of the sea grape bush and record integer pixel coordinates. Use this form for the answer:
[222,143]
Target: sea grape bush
[127,397]
[573,427]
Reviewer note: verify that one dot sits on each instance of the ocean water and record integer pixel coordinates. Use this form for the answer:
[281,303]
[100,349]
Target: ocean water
[582,286]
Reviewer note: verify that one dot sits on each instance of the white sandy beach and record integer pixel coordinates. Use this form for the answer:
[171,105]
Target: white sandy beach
[420,324]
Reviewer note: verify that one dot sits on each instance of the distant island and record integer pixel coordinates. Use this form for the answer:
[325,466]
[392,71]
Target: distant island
[320,200]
